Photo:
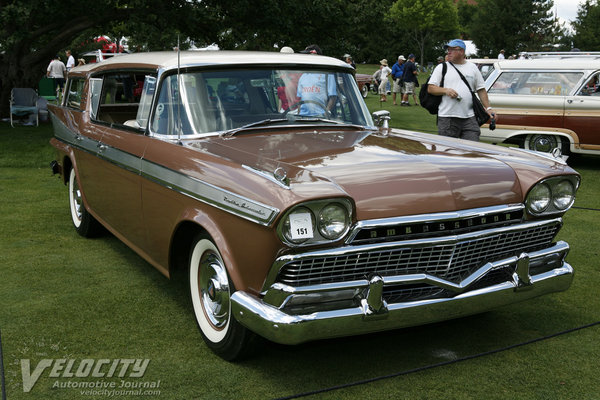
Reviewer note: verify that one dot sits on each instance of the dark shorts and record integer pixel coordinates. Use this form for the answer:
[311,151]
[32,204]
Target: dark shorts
[462,128]
[59,82]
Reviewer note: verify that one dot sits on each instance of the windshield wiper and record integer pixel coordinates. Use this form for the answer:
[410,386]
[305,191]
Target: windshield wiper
[269,121]
[329,121]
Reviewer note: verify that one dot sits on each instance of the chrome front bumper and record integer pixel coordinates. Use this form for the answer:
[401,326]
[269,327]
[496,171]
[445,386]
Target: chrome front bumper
[371,313]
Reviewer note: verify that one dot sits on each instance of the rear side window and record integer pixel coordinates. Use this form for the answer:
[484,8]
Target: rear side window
[75,93]
[550,83]
[122,98]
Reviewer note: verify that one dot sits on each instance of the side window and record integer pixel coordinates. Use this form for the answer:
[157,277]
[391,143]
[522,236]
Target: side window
[591,87]
[146,101]
[550,83]
[95,91]
[117,99]
[75,93]
[197,114]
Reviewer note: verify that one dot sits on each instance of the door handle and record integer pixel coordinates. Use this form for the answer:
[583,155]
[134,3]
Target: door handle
[101,147]
[569,101]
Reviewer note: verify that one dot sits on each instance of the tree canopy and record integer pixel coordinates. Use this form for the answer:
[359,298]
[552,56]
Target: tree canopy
[587,28]
[33,31]
[514,25]
[426,22]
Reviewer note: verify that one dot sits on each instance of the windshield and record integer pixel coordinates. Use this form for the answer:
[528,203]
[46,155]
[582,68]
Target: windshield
[200,102]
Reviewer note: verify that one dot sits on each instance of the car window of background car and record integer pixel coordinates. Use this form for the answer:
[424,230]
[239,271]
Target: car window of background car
[591,87]
[536,83]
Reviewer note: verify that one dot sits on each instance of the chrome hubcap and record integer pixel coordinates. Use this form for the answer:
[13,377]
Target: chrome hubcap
[76,198]
[543,143]
[214,290]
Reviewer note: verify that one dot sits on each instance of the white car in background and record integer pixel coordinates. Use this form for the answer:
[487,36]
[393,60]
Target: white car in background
[546,103]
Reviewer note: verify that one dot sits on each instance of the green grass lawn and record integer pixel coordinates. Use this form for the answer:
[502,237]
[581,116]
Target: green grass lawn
[66,297]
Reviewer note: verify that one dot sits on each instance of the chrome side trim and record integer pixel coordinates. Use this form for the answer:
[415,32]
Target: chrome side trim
[64,134]
[202,191]
[210,194]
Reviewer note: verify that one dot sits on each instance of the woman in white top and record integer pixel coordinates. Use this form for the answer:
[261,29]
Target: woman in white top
[385,72]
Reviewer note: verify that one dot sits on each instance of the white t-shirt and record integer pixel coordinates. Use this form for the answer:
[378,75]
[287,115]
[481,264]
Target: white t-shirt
[500,56]
[385,71]
[450,107]
[57,69]
[70,63]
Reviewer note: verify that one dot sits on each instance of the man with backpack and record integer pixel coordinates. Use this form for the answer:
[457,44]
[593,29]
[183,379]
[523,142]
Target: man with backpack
[456,117]
[410,80]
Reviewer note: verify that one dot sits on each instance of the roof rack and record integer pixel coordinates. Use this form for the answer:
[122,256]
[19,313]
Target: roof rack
[560,54]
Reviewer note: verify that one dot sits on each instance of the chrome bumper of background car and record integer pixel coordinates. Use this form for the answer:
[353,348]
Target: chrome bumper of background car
[358,307]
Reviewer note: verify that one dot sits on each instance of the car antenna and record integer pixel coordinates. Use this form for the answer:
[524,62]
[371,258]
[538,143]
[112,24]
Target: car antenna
[178,93]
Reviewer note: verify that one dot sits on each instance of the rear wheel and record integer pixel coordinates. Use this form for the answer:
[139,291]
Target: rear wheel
[85,224]
[365,90]
[543,143]
[210,293]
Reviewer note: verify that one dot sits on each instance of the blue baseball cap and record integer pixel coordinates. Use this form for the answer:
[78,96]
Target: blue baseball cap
[456,43]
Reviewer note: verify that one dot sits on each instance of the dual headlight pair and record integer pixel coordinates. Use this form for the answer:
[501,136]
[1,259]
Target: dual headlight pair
[316,222]
[552,195]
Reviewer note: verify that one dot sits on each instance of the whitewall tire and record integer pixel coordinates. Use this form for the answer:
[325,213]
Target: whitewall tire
[85,224]
[210,294]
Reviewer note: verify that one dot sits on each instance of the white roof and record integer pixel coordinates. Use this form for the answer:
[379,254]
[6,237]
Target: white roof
[550,64]
[169,60]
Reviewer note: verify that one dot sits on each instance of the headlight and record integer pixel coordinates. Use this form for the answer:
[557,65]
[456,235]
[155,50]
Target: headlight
[563,195]
[552,195]
[299,225]
[539,198]
[316,222]
[333,221]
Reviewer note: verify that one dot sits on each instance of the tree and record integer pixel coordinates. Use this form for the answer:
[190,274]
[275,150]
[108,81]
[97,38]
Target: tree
[426,22]
[515,25]
[466,12]
[32,32]
[587,29]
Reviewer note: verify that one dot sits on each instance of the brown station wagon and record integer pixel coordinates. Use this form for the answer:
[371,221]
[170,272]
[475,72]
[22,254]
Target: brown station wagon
[546,103]
[296,216]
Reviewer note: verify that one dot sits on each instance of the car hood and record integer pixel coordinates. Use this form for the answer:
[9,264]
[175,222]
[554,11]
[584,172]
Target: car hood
[386,176]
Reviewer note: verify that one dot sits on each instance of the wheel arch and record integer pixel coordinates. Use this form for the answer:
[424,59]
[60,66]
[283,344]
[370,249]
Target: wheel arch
[67,165]
[182,242]
[519,136]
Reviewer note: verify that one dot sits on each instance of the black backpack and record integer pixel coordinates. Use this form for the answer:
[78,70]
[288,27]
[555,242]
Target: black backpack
[429,101]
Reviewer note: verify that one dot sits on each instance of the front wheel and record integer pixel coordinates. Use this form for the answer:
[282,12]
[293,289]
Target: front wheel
[210,293]
[85,224]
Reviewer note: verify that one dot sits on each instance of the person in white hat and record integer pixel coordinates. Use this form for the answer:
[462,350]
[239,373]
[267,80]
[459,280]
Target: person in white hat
[397,72]
[385,72]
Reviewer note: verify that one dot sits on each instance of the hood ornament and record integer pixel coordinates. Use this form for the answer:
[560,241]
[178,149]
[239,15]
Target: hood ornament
[281,175]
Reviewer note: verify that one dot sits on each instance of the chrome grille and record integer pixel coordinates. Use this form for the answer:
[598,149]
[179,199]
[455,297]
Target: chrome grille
[453,262]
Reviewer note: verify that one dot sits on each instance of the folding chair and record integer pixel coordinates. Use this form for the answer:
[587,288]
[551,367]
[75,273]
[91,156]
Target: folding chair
[23,101]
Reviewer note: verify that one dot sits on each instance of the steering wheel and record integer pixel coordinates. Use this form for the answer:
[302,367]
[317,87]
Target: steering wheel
[294,106]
